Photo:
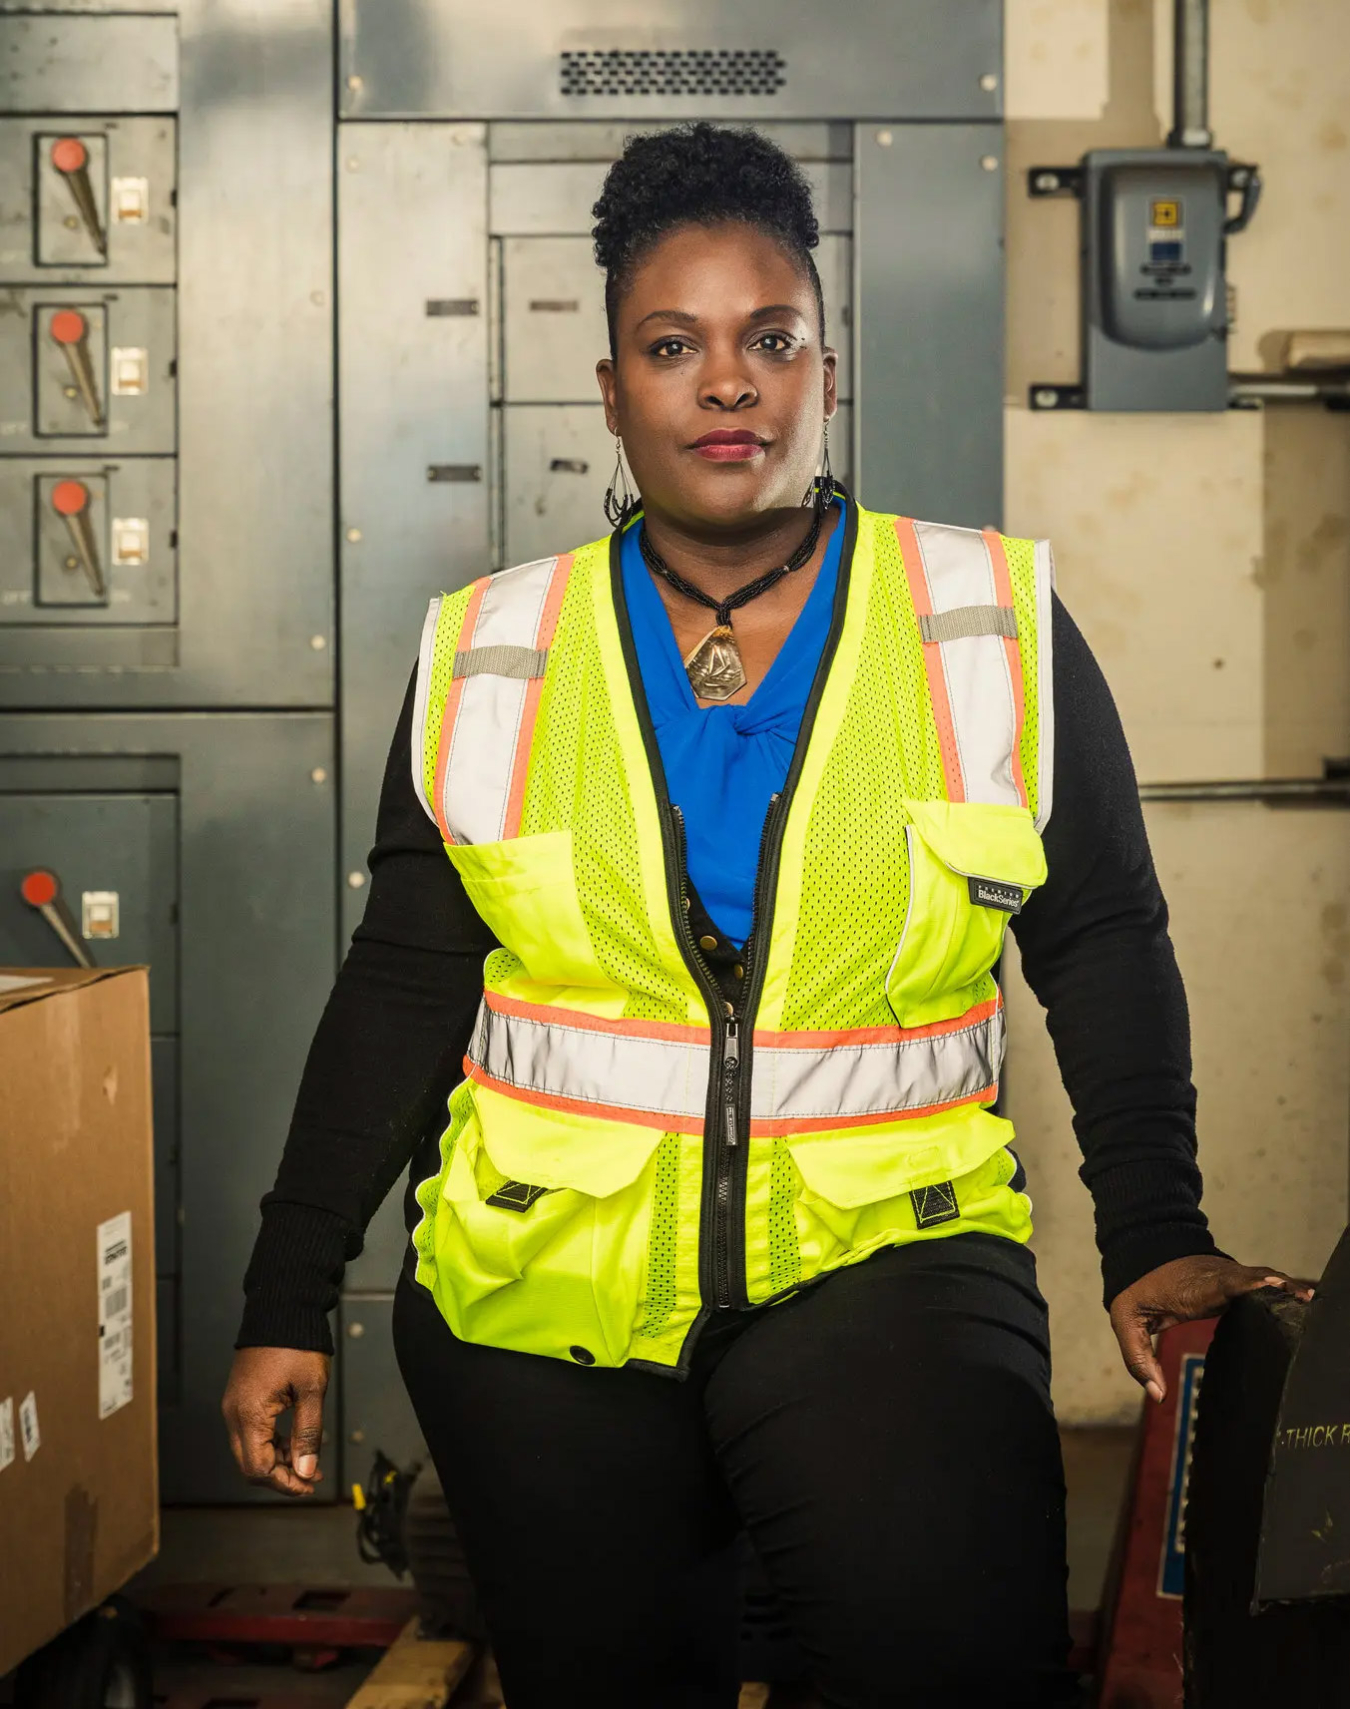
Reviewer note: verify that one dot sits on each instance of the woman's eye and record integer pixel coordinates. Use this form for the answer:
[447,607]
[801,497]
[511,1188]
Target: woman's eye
[670,347]
[776,343]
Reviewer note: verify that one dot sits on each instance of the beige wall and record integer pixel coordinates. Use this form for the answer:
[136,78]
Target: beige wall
[1208,561]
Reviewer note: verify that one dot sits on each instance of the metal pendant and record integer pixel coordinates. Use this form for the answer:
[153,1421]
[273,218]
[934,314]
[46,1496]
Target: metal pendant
[714,667]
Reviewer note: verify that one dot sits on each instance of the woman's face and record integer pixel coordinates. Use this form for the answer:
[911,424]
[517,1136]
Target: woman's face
[721,387]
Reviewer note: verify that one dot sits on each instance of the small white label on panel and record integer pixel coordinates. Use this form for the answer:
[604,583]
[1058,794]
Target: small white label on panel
[6,1432]
[130,371]
[114,1314]
[28,1425]
[131,200]
[130,539]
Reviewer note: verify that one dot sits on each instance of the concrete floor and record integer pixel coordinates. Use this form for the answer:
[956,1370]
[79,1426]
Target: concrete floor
[317,1546]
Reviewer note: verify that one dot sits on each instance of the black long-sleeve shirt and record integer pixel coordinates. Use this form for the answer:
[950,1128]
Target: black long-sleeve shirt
[1094,947]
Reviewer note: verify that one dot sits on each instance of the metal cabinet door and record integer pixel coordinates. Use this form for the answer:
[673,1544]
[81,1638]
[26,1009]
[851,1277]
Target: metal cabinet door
[87,370]
[111,219]
[375,1409]
[97,550]
[119,845]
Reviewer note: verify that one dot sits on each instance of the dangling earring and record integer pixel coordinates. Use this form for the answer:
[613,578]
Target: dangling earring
[620,499]
[825,483]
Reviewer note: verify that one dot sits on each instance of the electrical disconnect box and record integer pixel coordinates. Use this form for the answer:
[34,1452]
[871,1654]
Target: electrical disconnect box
[1155,225]
[1154,244]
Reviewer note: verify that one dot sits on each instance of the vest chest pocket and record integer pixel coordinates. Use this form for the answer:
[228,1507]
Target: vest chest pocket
[525,889]
[950,940]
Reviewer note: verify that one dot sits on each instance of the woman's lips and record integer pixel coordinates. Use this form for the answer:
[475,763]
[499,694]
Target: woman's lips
[738,451]
[728,447]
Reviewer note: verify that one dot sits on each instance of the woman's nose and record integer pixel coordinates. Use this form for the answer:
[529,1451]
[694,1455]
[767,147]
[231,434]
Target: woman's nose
[724,384]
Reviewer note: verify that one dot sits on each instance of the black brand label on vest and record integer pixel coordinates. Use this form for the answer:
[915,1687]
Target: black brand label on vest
[988,893]
[516,1196]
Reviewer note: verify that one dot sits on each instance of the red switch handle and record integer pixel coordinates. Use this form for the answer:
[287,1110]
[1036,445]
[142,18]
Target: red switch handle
[69,498]
[69,327]
[69,155]
[40,887]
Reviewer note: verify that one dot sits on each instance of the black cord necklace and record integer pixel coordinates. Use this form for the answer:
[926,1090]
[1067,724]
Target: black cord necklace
[714,667]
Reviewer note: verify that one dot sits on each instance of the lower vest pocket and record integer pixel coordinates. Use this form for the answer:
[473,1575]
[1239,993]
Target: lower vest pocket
[541,1240]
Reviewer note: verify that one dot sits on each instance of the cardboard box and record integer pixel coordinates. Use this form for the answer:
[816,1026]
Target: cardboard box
[79,1498]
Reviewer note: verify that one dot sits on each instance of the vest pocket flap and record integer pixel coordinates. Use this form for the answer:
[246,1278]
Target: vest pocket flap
[553,1149]
[863,1168]
[982,839]
[519,864]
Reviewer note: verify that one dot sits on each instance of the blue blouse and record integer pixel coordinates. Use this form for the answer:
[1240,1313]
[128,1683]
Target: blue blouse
[724,763]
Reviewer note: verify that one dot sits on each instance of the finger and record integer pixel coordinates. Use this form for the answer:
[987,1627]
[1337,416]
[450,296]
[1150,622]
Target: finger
[282,1479]
[257,1444]
[1253,1279]
[1136,1348]
[307,1432]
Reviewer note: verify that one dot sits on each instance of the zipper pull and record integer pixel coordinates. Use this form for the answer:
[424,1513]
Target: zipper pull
[731,1073]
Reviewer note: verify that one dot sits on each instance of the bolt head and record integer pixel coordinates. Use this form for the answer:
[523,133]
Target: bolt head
[354,535]
[885,138]
[356,1330]
[989,83]
[1047,181]
[318,775]
[1045,398]
[356,880]
[318,642]
[989,162]
[354,82]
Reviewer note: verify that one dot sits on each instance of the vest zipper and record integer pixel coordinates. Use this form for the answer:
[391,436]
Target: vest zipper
[720,1128]
[723,1212]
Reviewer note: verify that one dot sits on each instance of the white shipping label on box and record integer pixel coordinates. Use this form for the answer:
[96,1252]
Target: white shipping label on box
[6,1432]
[28,1425]
[114,1314]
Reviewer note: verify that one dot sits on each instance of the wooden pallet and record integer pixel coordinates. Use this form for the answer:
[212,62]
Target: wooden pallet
[415,1673]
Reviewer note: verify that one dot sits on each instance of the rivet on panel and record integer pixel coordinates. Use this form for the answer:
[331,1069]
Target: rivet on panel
[356,1330]
[354,82]
[356,880]
[318,775]
[989,83]
[318,642]
[353,163]
[885,138]
[989,162]
[354,536]
[358,1436]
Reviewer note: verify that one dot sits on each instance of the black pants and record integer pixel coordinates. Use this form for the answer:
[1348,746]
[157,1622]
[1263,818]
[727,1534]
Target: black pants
[885,1438]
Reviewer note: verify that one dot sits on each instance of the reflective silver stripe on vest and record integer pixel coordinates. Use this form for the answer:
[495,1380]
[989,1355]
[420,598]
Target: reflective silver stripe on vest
[625,1075]
[421,696]
[980,690]
[1045,691]
[481,761]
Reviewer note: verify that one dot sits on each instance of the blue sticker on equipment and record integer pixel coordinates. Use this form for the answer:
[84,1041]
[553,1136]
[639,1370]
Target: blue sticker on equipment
[1172,1568]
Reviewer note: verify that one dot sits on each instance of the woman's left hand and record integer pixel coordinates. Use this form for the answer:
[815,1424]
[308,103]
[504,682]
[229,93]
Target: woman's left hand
[1200,1286]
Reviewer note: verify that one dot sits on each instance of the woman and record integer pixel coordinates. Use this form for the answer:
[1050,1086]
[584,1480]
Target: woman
[724,1233]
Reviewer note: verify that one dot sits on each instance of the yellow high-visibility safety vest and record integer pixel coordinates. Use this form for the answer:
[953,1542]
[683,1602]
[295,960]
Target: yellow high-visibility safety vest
[623,1154]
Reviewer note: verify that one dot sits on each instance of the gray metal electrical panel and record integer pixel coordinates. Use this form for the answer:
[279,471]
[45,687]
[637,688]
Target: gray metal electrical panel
[201,249]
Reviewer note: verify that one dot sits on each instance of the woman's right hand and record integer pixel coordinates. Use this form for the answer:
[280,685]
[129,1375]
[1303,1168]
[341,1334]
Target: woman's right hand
[264,1383]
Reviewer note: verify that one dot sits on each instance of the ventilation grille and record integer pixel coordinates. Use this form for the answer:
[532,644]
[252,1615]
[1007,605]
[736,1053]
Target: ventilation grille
[673,71]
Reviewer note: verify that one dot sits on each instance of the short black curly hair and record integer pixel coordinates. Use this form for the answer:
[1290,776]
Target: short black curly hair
[700,174]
